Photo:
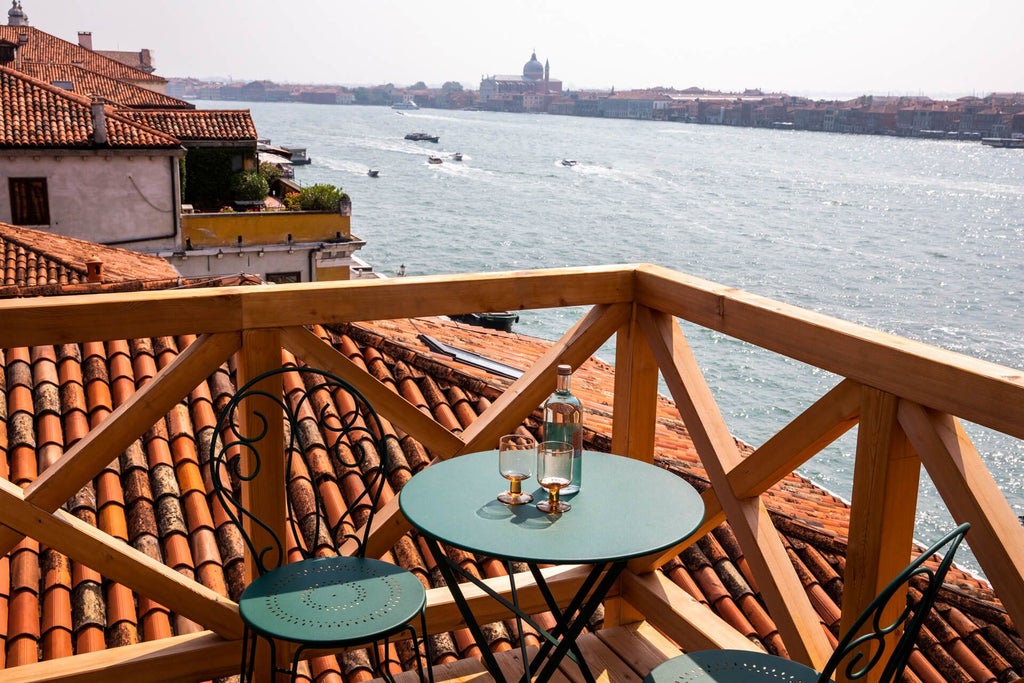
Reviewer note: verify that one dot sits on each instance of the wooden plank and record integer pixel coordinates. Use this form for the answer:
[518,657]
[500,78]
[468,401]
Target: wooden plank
[125,424]
[119,561]
[191,657]
[443,614]
[639,645]
[988,394]
[884,501]
[56,320]
[312,350]
[265,495]
[826,420]
[636,394]
[675,613]
[972,495]
[779,584]
[603,662]
[412,297]
[530,390]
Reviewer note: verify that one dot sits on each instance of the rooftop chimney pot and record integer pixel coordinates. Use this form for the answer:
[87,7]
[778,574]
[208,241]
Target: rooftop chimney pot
[94,270]
[99,123]
[85,39]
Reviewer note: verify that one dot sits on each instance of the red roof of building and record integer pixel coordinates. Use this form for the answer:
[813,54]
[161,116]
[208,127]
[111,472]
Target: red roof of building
[193,125]
[42,48]
[35,114]
[87,82]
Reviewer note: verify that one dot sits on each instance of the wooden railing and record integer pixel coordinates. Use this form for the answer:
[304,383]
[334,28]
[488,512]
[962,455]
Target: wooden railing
[906,397]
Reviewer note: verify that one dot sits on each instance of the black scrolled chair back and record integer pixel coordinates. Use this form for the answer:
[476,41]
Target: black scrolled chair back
[332,437]
[857,653]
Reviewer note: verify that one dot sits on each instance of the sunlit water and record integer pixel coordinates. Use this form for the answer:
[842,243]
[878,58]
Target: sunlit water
[921,238]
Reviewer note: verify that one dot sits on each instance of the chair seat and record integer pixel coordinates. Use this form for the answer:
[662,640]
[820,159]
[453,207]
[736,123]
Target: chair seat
[332,601]
[730,666]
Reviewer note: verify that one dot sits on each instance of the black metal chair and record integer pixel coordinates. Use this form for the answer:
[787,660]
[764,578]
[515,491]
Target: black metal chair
[324,600]
[857,652]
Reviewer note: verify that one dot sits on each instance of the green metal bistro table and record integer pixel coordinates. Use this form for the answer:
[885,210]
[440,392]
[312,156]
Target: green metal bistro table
[625,509]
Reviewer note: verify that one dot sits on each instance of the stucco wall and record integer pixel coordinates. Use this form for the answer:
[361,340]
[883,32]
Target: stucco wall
[108,199]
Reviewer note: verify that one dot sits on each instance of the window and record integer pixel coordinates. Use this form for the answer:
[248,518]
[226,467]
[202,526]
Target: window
[284,278]
[29,202]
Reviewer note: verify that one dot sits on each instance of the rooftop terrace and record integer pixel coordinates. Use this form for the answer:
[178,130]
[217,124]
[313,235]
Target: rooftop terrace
[124,572]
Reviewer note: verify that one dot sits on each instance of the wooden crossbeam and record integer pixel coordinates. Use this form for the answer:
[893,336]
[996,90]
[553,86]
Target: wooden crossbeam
[776,577]
[120,562]
[675,613]
[125,424]
[530,390]
[191,657]
[972,495]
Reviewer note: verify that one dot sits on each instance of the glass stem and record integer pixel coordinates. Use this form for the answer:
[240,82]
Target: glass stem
[514,487]
[554,497]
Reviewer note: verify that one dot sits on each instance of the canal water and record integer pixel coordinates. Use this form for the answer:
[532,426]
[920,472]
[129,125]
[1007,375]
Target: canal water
[922,238]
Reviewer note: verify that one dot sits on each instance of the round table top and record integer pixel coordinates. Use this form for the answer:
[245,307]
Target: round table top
[625,509]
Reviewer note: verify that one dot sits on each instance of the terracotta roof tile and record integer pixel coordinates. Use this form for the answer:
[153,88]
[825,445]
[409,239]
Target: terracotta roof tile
[37,115]
[85,82]
[43,48]
[196,125]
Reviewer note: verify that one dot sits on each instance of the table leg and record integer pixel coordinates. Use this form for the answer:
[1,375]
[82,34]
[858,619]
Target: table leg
[443,564]
[571,626]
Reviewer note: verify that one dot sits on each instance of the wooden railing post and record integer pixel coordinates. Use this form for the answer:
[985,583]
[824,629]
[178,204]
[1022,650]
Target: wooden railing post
[266,495]
[636,393]
[885,487]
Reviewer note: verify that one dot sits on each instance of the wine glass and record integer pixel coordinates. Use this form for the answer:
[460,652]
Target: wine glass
[517,458]
[554,472]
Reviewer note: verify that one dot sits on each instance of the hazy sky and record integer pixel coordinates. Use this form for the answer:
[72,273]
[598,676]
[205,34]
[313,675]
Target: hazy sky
[935,47]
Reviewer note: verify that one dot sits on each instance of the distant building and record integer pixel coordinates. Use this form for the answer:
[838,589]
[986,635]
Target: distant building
[532,91]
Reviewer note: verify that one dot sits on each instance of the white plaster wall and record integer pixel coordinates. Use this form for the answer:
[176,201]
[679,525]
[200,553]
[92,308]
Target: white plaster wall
[130,200]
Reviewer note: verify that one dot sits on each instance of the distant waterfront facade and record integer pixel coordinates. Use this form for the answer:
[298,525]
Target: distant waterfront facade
[997,115]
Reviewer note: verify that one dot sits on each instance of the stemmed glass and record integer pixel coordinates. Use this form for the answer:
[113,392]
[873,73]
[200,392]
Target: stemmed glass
[554,472]
[517,458]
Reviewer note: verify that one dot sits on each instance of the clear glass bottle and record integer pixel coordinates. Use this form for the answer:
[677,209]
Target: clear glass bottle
[563,421]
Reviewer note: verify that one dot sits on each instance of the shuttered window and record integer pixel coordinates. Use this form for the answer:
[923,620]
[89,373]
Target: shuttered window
[30,204]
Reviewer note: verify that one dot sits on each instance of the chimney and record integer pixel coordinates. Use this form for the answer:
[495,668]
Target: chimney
[99,123]
[94,270]
[85,39]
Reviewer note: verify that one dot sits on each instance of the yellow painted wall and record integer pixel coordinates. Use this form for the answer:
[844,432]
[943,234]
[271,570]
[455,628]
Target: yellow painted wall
[264,227]
[332,273]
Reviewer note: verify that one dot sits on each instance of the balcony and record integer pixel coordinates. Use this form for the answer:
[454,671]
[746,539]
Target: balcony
[151,367]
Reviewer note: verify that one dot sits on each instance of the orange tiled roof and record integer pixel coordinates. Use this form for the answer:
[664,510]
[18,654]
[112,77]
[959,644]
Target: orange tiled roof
[199,124]
[42,48]
[153,496]
[36,258]
[90,83]
[35,114]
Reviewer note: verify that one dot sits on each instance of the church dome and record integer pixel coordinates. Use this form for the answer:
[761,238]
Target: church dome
[16,16]
[533,70]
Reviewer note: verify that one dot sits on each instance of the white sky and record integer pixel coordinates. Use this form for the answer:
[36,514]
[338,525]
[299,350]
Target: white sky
[940,48]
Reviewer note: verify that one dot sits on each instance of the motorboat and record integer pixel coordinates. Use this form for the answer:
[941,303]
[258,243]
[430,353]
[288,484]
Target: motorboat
[568,162]
[457,156]
[499,320]
[422,137]
[373,173]
[406,104]
[434,160]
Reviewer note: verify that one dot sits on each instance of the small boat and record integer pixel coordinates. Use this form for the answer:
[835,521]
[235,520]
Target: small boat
[434,160]
[568,162]
[422,137]
[502,320]
[457,156]
[373,173]
[407,104]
